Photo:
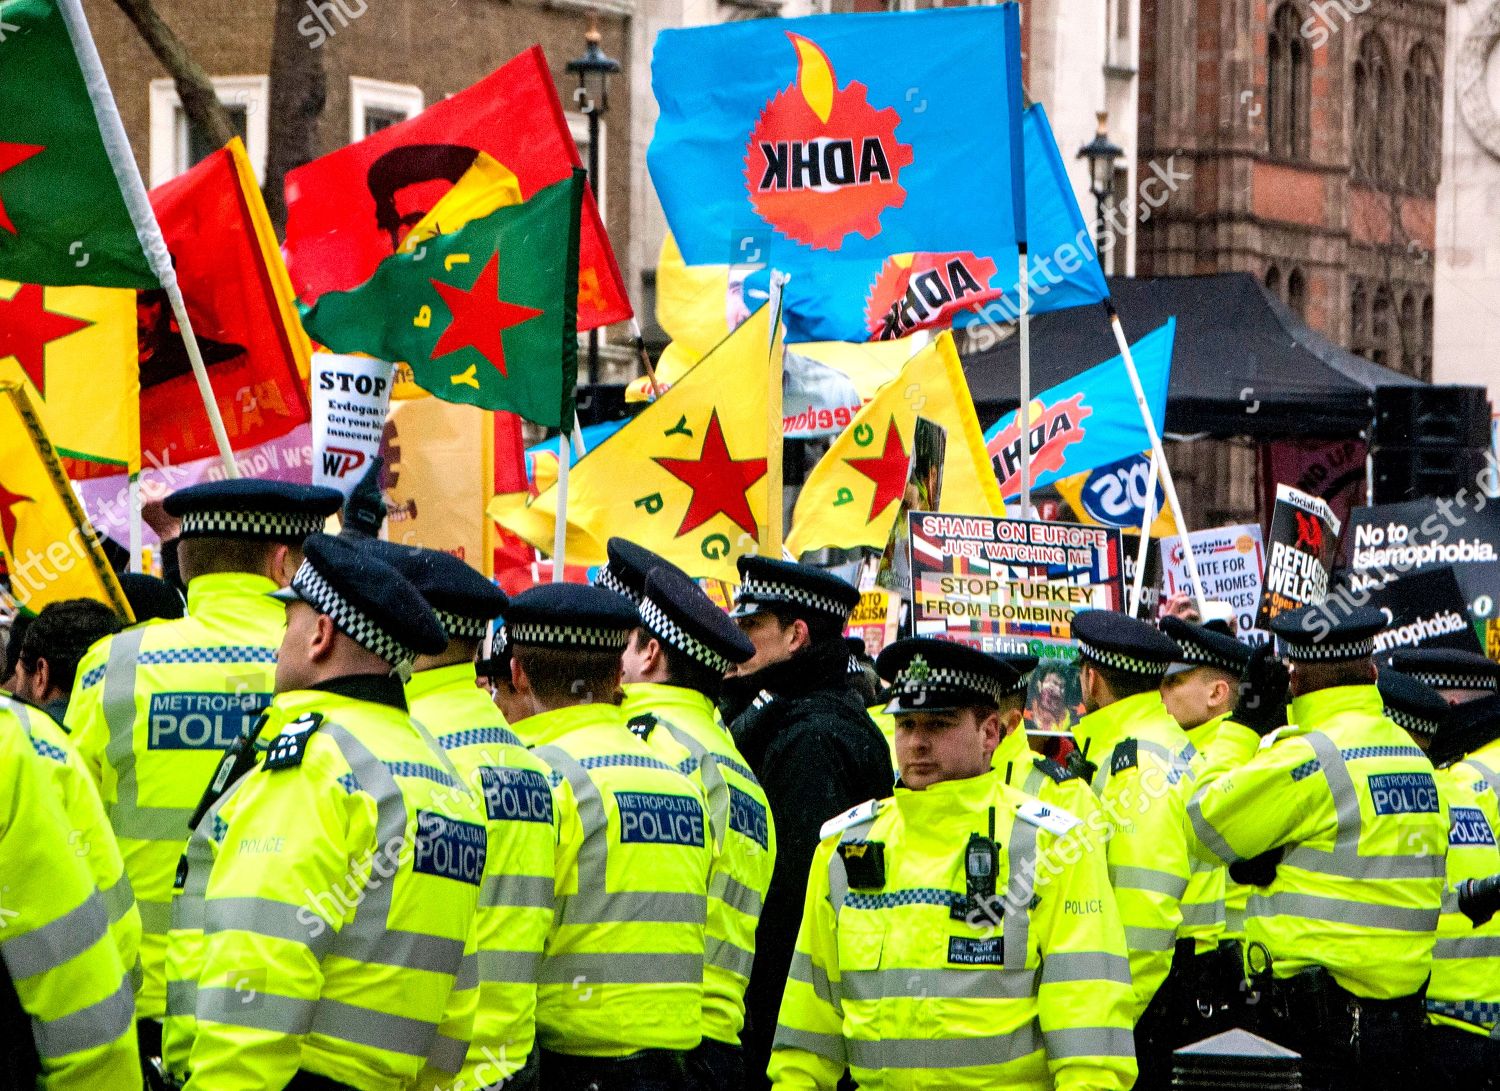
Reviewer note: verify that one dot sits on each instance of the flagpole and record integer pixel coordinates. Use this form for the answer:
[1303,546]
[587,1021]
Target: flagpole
[560,524]
[133,190]
[1158,455]
[1144,545]
[1023,411]
[134,493]
[771,546]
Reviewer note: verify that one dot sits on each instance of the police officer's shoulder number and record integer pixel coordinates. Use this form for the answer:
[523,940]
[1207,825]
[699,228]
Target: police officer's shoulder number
[288,748]
[641,726]
[1059,773]
[1126,756]
[852,817]
[1047,816]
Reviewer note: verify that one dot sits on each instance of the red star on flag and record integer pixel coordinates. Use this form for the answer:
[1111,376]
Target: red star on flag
[889,470]
[8,502]
[480,316]
[720,484]
[13,155]
[27,328]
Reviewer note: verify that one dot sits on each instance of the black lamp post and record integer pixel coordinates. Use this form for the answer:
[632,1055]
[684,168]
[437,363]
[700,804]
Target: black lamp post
[593,70]
[1101,153]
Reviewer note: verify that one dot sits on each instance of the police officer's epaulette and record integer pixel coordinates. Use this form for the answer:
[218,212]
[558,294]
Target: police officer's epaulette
[1124,756]
[288,748]
[852,817]
[1059,773]
[1046,816]
[641,726]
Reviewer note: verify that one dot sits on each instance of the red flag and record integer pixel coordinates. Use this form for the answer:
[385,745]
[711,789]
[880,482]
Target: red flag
[349,210]
[244,315]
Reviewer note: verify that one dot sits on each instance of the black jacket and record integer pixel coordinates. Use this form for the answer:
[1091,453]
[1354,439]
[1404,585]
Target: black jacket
[1469,726]
[816,752]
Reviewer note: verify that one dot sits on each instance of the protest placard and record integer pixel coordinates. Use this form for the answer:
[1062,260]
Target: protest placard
[1422,610]
[1304,532]
[874,619]
[350,398]
[1230,563]
[1391,540]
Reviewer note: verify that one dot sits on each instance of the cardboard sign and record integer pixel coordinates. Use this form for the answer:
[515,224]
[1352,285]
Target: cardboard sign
[1463,533]
[1230,563]
[1010,584]
[874,619]
[1304,533]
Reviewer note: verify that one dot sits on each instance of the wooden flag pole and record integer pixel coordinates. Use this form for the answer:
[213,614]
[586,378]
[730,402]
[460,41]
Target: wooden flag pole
[1143,547]
[133,190]
[640,350]
[1158,455]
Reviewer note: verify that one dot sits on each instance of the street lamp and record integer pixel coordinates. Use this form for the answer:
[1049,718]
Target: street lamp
[1101,153]
[593,70]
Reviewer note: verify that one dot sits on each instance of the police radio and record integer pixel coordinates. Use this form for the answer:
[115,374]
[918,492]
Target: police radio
[981,865]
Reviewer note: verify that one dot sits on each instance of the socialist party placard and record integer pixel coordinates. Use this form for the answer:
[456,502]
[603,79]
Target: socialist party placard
[1230,563]
[1304,534]
[1462,533]
[1010,584]
[350,398]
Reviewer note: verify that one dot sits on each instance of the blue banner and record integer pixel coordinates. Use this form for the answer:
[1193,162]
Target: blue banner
[1090,420]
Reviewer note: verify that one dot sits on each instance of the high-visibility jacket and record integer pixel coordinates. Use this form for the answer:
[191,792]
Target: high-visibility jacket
[680,727]
[327,911]
[55,945]
[1465,988]
[623,969]
[89,834]
[1029,989]
[1143,780]
[525,817]
[1042,778]
[887,724]
[1210,877]
[1354,805]
[153,709]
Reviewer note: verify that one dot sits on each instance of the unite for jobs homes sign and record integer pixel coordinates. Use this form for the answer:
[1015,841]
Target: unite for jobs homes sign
[1010,585]
[1230,562]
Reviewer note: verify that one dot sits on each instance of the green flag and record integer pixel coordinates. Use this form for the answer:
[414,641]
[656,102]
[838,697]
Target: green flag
[63,219]
[486,315]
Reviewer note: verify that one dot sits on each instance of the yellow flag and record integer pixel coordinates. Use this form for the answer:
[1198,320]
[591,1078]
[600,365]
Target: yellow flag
[687,478]
[49,550]
[855,492]
[74,351]
[1114,496]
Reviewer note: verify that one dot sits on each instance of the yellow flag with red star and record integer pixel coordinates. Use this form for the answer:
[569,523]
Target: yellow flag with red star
[858,489]
[687,478]
[49,548]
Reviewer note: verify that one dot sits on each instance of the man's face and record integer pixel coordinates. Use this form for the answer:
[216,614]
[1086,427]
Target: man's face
[932,747]
[774,642]
[294,668]
[413,202]
[1051,691]
[1189,697]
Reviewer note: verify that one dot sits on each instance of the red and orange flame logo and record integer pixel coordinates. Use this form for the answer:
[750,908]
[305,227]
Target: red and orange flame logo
[1053,429]
[822,162]
[916,291]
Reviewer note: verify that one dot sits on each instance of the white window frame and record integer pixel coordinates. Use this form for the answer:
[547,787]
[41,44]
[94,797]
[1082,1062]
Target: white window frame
[168,139]
[366,93]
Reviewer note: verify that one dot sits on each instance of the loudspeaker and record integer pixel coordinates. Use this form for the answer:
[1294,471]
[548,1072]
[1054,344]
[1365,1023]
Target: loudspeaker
[1431,416]
[1411,473]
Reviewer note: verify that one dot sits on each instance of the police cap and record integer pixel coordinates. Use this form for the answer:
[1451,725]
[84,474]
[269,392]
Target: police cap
[1448,668]
[798,589]
[463,600]
[248,507]
[628,567]
[675,610]
[1023,665]
[1413,705]
[570,616]
[1308,635]
[1119,642]
[928,675]
[368,600]
[1205,647]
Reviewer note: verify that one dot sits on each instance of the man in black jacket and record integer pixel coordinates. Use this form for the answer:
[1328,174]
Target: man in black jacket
[802,727]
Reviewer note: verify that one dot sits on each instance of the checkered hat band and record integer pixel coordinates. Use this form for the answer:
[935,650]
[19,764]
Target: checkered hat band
[1445,680]
[459,627]
[758,591]
[367,634]
[946,678]
[1198,656]
[565,636]
[1328,653]
[668,631]
[250,524]
[1120,661]
[1412,723]
[607,579]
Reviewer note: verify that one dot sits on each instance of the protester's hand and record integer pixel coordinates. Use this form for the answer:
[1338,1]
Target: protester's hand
[1263,689]
[1182,607]
[364,511]
[1258,870]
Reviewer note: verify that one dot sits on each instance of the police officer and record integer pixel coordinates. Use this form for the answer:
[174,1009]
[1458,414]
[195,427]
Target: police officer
[1459,676]
[1022,767]
[59,970]
[958,934]
[621,985]
[805,733]
[516,899]
[673,667]
[1341,817]
[324,932]
[155,705]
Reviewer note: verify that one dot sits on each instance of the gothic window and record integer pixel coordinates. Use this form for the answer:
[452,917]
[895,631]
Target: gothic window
[1407,348]
[1372,112]
[1288,84]
[1273,281]
[1380,327]
[1296,292]
[1422,125]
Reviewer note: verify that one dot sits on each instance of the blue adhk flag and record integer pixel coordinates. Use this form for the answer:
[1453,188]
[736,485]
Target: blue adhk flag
[822,146]
[1088,421]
